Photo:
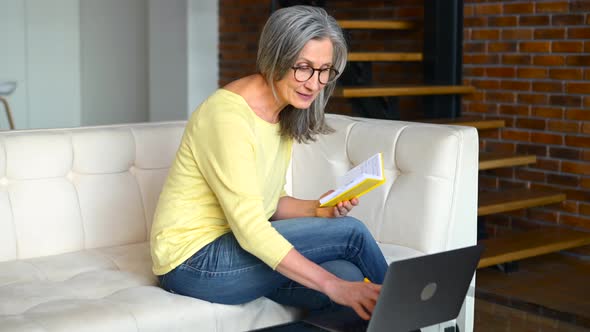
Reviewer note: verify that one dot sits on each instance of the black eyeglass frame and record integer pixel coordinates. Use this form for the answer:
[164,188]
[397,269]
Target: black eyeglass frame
[319,70]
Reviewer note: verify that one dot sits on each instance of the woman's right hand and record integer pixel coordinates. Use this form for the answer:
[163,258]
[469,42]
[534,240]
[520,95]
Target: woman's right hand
[360,296]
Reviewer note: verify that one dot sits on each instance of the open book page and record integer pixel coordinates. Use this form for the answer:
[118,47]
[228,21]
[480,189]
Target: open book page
[358,181]
[370,168]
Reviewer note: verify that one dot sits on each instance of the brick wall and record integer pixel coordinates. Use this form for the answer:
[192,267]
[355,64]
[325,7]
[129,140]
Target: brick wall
[530,62]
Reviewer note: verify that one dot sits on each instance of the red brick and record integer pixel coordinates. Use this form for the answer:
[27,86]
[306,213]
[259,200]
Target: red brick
[547,164]
[565,100]
[515,135]
[474,71]
[587,101]
[534,47]
[564,153]
[517,34]
[553,33]
[503,21]
[477,96]
[586,128]
[482,108]
[547,86]
[578,141]
[516,59]
[567,19]
[565,180]
[519,8]
[488,9]
[502,47]
[546,138]
[486,84]
[531,72]
[547,112]
[578,60]
[536,149]
[500,72]
[578,33]
[482,59]
[468,10]
[529,175]
[549,60]
[585,183]
[568,206]
[522,110]
[566,74]
[567,47]
[533,20]
[500,147]
[587,43]
[584,209]
[485,34]
[578,87]
[563,126]
[552,7]
[532,99]
[576,221]
[472,47]
[536,124]
[580,5]
[516,85]
[480,21]
[578,115]
[543,215]
[501,97]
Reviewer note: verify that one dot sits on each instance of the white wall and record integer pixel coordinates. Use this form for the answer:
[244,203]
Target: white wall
[114,61]
[168,59]
[203,58]
[40,51]
[88,62]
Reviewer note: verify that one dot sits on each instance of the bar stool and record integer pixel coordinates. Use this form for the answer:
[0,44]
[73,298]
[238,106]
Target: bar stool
[6,88]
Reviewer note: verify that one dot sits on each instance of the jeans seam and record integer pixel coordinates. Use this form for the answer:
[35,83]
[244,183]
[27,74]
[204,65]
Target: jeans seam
[216,273]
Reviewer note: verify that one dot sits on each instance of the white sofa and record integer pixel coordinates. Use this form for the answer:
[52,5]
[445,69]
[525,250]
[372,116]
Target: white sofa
[76,207]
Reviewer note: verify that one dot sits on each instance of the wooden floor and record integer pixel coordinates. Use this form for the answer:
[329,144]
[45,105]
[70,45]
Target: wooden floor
[547,293]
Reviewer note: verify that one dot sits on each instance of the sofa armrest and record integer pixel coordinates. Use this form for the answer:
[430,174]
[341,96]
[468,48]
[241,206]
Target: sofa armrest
[429,200]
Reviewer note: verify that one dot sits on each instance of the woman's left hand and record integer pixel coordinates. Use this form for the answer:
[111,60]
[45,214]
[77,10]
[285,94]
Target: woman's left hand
[339,210]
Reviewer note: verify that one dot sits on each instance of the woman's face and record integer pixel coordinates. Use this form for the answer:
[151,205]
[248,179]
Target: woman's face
[315,54]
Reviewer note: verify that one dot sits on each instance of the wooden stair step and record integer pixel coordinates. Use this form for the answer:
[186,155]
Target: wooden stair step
[479,124]
[397,91]
[385,56]
[531,243]
[515,199]
[375,24]
[490,160]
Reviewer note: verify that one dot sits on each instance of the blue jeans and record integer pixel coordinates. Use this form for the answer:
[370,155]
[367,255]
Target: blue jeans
[223,272]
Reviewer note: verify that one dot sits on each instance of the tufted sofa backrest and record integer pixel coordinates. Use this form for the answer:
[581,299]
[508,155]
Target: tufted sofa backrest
[429,200]
[64,190]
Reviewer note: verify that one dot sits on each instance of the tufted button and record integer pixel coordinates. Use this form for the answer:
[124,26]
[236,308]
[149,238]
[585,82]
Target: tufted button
[3,181]
[70,176]
[133,170]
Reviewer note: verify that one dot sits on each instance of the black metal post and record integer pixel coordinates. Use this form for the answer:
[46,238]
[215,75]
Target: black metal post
[443,52]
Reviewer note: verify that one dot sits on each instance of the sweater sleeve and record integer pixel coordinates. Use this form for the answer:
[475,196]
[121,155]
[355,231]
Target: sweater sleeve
[224,147]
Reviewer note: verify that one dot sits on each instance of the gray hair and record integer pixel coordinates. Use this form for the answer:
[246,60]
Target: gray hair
[283,37]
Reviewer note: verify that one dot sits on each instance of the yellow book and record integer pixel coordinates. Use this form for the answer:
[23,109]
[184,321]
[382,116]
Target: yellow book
[363,178]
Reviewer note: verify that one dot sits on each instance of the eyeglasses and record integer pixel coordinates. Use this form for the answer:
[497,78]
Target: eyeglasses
[304,73]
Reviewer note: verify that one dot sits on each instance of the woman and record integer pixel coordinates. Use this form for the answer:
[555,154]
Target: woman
[224,230]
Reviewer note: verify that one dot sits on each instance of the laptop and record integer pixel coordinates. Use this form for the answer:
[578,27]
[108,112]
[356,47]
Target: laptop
[416,293]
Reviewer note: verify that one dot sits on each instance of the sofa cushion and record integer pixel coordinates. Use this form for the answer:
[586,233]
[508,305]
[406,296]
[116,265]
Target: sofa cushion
[113,289]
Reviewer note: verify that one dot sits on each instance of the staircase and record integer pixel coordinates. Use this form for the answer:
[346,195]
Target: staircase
[509,247]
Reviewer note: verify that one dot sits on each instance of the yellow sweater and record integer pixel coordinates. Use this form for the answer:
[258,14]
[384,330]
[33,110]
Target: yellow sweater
[228,175]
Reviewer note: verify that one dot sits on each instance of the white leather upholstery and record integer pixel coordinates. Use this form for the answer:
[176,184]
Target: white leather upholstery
[76,207]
